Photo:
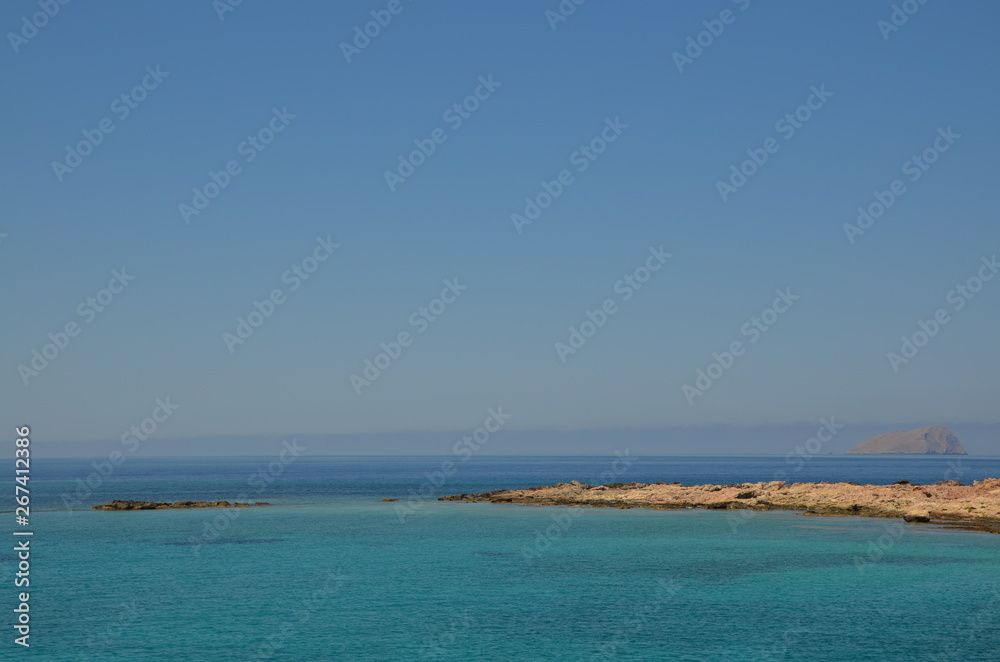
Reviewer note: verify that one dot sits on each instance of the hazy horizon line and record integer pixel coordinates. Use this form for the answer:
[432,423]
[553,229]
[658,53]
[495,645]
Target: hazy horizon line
[592,430]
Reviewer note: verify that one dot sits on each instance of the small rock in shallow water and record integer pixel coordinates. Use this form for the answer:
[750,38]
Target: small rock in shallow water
[119,504]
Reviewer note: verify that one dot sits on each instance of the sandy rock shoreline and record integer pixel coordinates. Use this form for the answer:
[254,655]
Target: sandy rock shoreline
[975,506]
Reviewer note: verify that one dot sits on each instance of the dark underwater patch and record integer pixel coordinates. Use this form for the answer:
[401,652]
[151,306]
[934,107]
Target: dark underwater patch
[253,541]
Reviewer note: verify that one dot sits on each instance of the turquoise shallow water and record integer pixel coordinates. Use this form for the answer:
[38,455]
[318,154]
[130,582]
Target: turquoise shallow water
[341,576]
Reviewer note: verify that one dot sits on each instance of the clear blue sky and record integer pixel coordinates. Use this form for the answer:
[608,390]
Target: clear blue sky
[656,184]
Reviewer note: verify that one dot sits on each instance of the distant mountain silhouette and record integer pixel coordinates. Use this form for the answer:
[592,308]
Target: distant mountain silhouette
[931,440]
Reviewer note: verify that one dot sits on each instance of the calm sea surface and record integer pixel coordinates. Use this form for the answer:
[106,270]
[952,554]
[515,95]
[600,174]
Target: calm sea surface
[329,572]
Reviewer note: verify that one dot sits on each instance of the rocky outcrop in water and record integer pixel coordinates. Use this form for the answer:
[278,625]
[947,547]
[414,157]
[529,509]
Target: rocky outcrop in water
[118,504]
[975,506]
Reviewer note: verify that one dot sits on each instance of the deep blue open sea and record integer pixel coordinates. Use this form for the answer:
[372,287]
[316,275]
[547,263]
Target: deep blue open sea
[329,572]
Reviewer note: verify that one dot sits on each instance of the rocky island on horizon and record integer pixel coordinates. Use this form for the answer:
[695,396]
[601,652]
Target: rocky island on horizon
[930,440]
